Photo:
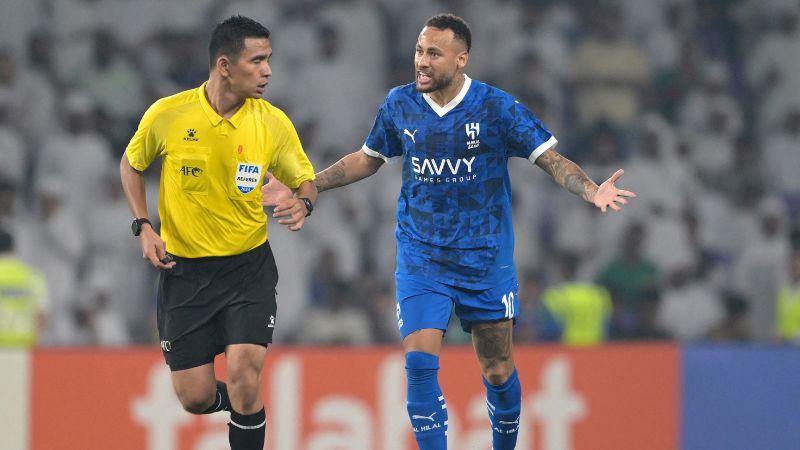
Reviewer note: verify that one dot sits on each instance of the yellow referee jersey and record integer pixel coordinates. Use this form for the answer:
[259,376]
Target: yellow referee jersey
[213,168]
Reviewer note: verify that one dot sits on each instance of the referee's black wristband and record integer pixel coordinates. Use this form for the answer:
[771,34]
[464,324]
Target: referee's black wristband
[309,205]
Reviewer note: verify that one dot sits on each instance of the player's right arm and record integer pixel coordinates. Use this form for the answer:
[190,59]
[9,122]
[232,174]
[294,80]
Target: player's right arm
[153,247]
[353,167]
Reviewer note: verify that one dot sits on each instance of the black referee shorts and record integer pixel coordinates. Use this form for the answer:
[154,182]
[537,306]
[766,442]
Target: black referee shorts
[207,303]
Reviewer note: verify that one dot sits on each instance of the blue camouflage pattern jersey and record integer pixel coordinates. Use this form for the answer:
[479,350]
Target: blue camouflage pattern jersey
[454,209]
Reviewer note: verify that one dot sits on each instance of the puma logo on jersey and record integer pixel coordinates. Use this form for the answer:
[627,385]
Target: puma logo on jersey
[410,134]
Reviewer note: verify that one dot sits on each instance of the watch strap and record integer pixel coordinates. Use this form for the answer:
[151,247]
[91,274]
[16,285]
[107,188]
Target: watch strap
[136,226]
[309,205]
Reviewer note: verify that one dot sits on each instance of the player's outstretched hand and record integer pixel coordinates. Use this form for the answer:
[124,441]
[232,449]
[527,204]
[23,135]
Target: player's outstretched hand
[274,191]
[608,196]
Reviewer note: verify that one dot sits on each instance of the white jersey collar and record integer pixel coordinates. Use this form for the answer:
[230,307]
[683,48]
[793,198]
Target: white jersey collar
[442,110]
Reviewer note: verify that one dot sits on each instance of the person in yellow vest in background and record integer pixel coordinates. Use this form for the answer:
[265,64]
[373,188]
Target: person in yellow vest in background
[22,295]
[788,310]
[583,309]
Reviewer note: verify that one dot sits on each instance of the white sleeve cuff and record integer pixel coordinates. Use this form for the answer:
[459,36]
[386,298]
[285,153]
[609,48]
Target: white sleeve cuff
[551,143]
[374,154]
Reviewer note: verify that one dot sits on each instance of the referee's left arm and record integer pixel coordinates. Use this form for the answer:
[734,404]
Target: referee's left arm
[293,212]
[308,190]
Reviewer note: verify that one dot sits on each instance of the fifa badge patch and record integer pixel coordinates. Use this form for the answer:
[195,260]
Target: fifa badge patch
[247,177]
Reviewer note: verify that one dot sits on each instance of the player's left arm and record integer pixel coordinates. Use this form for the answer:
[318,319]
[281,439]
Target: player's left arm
[572,178]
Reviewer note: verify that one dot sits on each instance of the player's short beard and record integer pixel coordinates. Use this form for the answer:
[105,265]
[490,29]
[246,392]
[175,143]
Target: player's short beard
[438,83]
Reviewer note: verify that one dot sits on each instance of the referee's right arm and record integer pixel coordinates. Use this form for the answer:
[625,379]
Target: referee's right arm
[153,248]
[133,185]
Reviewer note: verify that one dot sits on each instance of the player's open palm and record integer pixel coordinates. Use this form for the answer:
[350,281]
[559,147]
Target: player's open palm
[274,191]
[609,196]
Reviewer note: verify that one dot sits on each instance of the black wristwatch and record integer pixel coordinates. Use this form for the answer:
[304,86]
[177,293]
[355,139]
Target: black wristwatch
[309,205]
[136,226]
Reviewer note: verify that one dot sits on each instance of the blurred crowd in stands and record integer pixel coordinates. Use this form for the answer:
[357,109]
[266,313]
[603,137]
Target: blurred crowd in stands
[698,100]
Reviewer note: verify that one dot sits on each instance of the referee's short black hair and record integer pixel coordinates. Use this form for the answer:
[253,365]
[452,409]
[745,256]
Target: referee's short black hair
[228,37]
[459,26]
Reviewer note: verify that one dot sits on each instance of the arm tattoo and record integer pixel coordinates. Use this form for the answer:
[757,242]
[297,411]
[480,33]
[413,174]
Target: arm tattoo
[567,174]
[349,169]
[331,177]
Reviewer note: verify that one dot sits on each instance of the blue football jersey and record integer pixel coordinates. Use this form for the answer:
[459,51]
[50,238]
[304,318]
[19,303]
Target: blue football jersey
[454,209]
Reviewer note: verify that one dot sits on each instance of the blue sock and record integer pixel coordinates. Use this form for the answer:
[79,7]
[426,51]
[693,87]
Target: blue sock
[504,403]
[426,407]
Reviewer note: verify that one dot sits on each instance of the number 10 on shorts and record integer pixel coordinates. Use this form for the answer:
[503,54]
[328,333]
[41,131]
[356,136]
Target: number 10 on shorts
[508,302]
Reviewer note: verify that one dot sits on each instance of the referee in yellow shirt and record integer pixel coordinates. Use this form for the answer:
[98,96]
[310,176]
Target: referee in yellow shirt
[218,275]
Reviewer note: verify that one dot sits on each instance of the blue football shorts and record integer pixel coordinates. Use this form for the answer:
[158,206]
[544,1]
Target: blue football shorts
[425,303]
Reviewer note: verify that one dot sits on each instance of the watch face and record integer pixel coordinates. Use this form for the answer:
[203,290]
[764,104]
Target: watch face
[136,226]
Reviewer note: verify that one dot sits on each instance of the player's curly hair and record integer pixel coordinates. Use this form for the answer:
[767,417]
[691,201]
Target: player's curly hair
[459,26]
[228,37]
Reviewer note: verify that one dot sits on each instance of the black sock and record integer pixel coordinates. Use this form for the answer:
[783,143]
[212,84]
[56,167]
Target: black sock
[221,402]
[247,432]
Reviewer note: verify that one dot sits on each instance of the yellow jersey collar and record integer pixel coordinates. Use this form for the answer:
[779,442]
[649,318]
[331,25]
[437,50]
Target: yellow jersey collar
[213,116]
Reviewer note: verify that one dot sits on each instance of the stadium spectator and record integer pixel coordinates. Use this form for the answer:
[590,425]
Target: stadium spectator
[77,155]
[316,103]
[690,308]
[335,321]
[112,80]
[30,97]
[712,94]
[56,243]
[788,311]
[538,87]
[13,151]
[114,275]
[581,308]
[735,327]
[781,157]
[23,298]
[609,71]
[535,322]
[773,66]
[630,278]
[760,266]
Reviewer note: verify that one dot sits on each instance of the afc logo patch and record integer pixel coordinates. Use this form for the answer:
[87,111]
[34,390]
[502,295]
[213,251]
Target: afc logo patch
[191,171]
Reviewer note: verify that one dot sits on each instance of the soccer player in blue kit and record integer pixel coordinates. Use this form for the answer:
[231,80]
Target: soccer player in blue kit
[455,239]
